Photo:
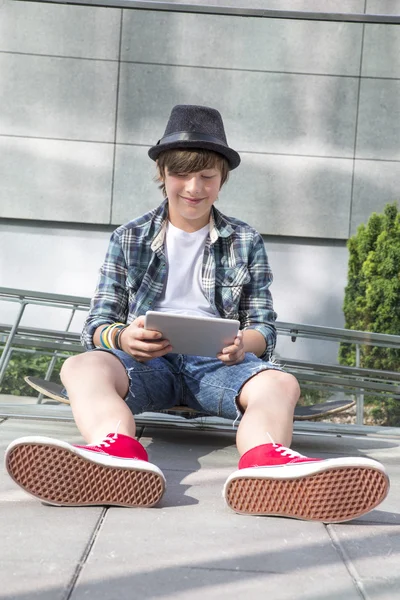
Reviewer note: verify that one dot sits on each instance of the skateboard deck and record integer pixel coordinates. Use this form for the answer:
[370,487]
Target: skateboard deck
[55,391]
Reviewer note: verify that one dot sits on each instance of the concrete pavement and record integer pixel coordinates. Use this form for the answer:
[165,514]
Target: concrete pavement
[192,546]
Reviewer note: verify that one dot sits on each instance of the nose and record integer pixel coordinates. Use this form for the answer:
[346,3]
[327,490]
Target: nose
[194,184]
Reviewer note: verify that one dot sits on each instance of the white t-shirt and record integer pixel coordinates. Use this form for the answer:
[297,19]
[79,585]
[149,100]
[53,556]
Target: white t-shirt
[183,293]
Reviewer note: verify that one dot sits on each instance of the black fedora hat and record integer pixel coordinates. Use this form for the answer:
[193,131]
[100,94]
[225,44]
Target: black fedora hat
[192,126]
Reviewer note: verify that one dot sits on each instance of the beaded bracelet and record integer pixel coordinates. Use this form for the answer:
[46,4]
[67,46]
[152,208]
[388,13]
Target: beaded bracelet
[117,328]
[117,337]
[102,344]
[110,333]
[107,335]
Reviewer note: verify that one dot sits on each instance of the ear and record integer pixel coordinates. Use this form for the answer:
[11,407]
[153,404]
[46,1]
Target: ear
[158,171]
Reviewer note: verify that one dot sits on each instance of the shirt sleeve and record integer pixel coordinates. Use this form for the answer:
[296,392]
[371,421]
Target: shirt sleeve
[110,301]
[256,306]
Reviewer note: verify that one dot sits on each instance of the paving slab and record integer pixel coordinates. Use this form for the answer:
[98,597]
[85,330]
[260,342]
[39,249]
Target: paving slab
[372,553]
[41,545]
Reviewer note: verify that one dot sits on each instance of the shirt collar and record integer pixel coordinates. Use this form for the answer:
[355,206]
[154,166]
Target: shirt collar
[160,221]
[219,226]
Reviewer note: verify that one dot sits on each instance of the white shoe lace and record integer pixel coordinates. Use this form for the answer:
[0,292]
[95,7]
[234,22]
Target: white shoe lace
[107,441]
[287,452]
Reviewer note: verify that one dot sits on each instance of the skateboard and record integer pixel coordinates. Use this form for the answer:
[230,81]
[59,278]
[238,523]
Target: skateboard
[55,391]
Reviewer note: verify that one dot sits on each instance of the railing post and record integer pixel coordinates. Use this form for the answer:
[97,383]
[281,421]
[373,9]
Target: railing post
[5,357]
[360,395]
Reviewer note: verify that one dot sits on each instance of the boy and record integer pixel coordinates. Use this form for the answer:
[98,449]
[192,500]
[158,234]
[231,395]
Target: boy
[186,257]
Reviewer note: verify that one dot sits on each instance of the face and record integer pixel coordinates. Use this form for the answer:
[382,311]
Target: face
[191,196]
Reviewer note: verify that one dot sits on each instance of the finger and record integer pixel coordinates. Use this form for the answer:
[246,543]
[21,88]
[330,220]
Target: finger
[148,334]
[152,347]
[149,347]
[226,357]
[139,321]
[231,358]
[144,356]
[229,349]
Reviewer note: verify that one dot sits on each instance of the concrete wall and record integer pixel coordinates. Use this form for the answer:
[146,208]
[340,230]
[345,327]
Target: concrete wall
[312,107]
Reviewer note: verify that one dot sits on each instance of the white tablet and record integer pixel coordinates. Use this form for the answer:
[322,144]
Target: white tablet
[200,336]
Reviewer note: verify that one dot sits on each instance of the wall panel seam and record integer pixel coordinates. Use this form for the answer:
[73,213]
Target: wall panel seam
[356,126]
[262,153]
[257,152]
[238,69]
[116,116]
[60,56]
[55,139]
[206,67]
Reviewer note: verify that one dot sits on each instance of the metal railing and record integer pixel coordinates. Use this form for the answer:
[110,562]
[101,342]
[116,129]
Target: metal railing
[356,380]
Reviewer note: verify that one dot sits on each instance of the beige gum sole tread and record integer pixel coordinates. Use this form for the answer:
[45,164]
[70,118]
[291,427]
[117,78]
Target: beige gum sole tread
[59,476]
[338,494]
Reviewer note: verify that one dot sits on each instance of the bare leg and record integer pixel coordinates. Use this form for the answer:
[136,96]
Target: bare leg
[97,383]
[269,400]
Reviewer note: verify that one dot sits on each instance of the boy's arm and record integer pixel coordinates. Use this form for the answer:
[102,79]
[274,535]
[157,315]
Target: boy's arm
[110,301]
[256,313]
[254,341]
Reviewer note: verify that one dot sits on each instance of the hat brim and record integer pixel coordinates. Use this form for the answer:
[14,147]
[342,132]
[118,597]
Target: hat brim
[231,156]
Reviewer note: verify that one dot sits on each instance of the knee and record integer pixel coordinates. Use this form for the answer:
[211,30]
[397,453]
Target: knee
[70,366]
[74,365]
[271,382]
[289,386]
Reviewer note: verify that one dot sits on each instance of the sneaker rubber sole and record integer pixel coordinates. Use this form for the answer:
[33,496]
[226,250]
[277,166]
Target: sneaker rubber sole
[62,475]
[328,493]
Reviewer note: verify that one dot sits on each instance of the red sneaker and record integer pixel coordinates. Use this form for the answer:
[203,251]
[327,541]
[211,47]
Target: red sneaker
[113,472]
[274,480]
[117,444]
[272,455]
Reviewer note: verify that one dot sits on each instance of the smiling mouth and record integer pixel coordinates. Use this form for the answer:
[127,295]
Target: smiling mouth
[192,200]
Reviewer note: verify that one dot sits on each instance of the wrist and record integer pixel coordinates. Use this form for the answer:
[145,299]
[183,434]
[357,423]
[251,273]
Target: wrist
[118,338]
[109,336]
[254,341]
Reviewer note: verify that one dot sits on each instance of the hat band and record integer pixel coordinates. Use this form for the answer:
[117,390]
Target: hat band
[185,136]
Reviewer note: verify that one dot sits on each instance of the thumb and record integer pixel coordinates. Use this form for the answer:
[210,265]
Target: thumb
[239,337]
[139,322]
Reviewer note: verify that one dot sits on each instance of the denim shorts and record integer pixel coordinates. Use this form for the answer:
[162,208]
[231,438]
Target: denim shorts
[205,384]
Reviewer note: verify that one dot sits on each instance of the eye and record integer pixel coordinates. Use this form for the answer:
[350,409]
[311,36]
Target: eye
[208,176]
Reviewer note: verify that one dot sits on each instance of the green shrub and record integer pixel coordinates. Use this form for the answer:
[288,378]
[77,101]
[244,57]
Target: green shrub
[372,298]
[23,364]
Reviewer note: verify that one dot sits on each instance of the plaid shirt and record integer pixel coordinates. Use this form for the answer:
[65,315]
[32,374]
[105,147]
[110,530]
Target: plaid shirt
[235,276]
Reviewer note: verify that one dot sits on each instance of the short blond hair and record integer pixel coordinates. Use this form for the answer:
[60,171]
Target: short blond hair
[190,161]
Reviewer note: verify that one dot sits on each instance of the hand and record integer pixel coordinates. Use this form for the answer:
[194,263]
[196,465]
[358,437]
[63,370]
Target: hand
[232,355]
[143,344]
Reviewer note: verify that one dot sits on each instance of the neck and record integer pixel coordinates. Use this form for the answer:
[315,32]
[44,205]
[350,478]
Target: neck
[188,225]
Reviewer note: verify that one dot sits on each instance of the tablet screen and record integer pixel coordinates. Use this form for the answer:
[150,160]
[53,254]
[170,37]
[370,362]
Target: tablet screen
[199,336]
